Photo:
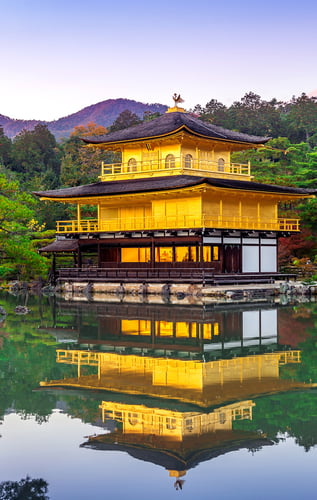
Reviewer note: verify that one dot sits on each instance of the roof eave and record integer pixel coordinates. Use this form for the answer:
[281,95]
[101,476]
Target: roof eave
[174,132]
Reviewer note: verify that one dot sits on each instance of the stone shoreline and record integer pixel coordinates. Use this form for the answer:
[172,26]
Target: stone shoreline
[184,292]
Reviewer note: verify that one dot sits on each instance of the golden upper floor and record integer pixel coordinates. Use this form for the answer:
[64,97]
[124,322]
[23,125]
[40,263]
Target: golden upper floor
[175,143]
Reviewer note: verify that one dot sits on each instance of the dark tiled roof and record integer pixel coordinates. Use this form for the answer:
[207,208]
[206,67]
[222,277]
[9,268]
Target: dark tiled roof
[184,459]
[61,246]
[164,183]
[168,124]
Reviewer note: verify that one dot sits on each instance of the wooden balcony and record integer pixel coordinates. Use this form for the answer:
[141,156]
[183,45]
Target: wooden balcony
[125,273]
[175,166]
[177,222]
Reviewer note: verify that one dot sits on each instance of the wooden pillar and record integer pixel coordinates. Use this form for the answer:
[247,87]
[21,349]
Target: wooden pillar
[78,216]
[153,332]
[79,257]
[200,253]
[78,367]
[258,213]
[152,253]
[99,255]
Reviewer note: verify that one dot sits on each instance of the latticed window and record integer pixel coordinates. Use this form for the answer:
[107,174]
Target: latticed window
[189,424]
[133,418]
[188,161]
[221,165]
[170,161]
[132,165]
[170,423]
[222,418]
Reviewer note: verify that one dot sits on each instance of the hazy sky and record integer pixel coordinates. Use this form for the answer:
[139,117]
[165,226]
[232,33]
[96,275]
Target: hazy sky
[60,56]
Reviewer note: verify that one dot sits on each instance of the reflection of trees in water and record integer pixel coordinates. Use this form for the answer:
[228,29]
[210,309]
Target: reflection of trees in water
[291,414]
[25,489]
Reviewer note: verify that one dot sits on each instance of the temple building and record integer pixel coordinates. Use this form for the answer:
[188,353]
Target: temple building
[175,208]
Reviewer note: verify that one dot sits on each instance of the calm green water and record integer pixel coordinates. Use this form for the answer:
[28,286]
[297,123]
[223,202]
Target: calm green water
[146,401]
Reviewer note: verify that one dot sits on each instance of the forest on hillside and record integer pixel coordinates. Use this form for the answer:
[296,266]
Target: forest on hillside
[35,161]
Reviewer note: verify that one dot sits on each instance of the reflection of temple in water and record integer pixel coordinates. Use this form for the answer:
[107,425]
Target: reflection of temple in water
[198,382]
[175,380]
[180,331]
[176,440]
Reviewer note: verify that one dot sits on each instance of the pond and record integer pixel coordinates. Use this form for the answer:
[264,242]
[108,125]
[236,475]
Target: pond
[129,399]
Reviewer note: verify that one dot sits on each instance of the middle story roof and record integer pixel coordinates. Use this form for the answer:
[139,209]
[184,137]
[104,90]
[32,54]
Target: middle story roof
[166,183]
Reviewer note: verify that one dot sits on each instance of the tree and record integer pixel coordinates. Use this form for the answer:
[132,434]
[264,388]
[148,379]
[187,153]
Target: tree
[35,156]
[298,246]
[149,115]
[82,164]
[301,116]
[5,149]
[125,119]
[252,115]
[214,112]
[91,129]
[25,489]
[17,223]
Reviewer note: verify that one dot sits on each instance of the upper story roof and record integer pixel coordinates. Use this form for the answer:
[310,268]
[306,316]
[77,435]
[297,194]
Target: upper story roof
[171,123]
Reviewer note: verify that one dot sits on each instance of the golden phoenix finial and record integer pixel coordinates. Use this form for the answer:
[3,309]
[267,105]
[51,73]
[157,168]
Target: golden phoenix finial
[177,99]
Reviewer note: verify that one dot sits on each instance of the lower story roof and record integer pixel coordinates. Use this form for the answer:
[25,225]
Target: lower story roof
[61,246]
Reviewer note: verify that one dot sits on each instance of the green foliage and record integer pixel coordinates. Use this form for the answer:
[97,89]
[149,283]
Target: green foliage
[5,148]
[82,164]
[28,356]
[291,413]
[301,117]
[125,119]
[17,256]
[296,119]
[35,157]
[148,115]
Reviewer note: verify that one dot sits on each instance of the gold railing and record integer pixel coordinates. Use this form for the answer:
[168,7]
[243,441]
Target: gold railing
[75,357]
[177,222]
[170,166]
[74,226]
[289,357]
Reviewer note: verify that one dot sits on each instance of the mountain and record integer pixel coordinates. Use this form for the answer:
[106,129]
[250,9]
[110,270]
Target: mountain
[103,113]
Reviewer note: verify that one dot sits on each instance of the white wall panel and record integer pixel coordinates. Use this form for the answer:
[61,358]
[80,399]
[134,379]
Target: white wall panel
[250,259]
[268,260]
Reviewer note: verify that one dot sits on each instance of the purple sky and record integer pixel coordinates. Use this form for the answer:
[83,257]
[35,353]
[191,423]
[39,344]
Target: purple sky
[60,56]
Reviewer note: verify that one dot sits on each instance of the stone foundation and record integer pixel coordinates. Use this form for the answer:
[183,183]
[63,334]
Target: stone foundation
[183,292]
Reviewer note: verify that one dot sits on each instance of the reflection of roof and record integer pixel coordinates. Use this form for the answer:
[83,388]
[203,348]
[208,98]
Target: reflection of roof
[61,246]
[130,186]
[184,459]
[171,123]
[163,312]
[206,397]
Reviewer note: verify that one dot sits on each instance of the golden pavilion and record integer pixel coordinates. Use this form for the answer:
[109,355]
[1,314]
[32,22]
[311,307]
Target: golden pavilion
[174,209]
